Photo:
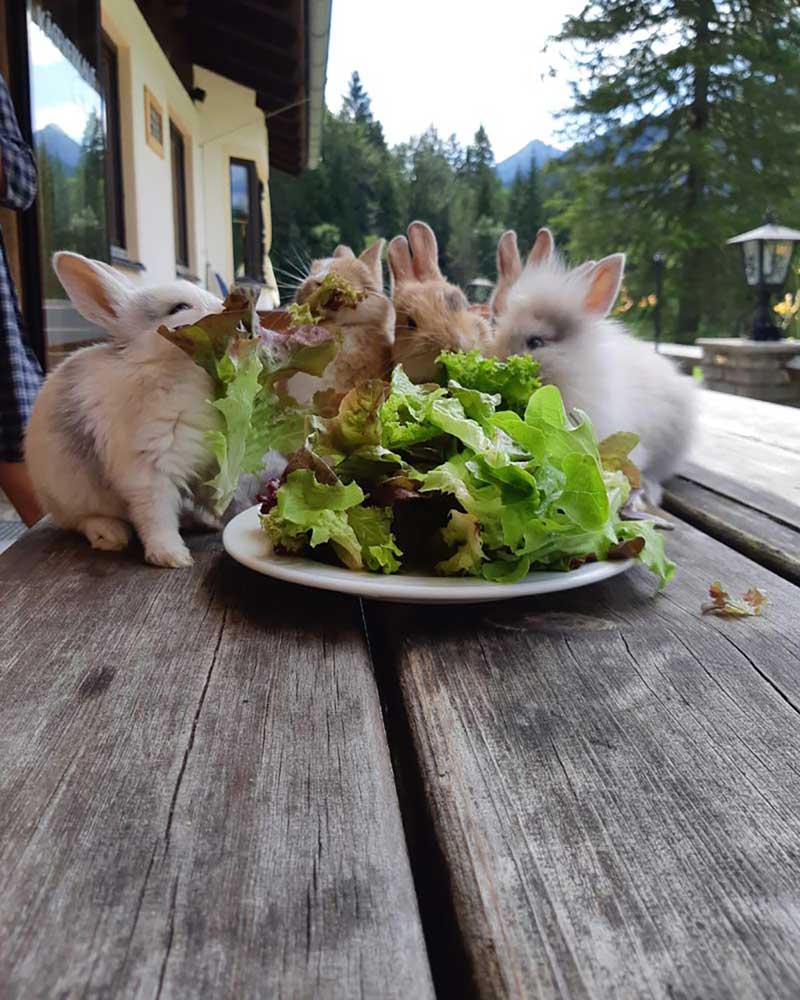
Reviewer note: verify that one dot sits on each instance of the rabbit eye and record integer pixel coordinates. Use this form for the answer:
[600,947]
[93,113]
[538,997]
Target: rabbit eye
[178,307]
[533,342]
[411,323]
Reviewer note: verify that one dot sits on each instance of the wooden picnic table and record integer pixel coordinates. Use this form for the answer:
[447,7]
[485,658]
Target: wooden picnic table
[741,483]
[216,785]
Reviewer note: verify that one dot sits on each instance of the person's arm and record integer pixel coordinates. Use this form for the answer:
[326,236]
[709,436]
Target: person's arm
[17,162]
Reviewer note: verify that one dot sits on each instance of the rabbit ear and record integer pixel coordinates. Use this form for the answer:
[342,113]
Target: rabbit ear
[583,269]
[509,264]
[425,252]
[400,265]
[543,247]
[372,258]
[604,283]
[454,299]
[343,251]
[97,292]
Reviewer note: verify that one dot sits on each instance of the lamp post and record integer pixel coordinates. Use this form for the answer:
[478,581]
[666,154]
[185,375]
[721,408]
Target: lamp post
[766,255]
[658,267]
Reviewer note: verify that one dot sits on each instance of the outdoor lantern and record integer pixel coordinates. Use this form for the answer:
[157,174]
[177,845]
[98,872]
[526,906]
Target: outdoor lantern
[766,254]
[479,290]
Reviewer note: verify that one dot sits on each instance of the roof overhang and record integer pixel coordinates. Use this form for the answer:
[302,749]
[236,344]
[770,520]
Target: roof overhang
[278,48]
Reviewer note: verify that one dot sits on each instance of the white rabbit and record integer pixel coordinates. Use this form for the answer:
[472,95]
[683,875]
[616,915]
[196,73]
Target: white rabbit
[116,437]
[559,316]
[509,266]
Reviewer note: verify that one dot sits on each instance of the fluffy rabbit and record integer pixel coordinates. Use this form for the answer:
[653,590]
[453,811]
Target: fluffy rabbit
[509,266]
[367,328]
[432,315]
[560,317]
[116,434]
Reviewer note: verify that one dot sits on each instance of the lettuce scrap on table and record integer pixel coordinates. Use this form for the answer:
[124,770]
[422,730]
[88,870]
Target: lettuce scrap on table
[483,474]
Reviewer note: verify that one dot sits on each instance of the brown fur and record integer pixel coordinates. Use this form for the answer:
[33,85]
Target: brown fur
[432,314]
[367,329]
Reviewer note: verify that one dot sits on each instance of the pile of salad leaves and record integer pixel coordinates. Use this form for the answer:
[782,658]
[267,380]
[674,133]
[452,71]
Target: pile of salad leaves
[483,474]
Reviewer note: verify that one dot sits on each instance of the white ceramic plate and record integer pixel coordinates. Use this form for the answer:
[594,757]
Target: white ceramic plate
[246,542]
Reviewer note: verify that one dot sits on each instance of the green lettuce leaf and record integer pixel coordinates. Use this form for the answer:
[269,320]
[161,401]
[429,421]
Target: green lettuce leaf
[462,531]
[373,529]
[238,375]
[404,414]
[506,570]
[584,499]
[545,412]
[513,380]
[653,554]
[478,406]
[316,513]
[372,464]
[358,422]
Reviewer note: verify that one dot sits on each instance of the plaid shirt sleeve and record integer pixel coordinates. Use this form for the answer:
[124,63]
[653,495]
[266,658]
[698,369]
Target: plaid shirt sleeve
[19,163]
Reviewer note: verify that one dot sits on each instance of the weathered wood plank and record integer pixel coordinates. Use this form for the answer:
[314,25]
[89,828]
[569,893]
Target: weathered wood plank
[750,451]
[759,535]
[614,782]
[196,797]
[10,531]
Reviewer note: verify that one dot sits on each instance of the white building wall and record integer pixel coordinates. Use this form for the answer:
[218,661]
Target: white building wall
[226,124]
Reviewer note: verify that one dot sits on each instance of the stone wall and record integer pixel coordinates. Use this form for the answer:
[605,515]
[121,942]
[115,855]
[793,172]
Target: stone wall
[757,369]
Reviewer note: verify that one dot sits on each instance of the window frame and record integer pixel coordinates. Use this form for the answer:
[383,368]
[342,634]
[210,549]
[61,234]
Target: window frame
[254,244]
[151,104]
[180,196]
[115,178]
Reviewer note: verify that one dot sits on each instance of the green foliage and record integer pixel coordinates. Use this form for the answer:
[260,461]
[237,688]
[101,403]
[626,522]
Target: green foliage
[525,211]
[73,207]
[688,128]
[363,188]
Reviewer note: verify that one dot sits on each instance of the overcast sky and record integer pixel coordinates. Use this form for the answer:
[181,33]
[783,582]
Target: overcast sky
[454,64]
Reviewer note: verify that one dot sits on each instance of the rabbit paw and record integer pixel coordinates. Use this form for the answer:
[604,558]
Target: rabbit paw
[170,555]
[107,533]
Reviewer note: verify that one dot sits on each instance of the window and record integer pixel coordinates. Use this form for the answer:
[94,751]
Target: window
[247,221]
[115,198]
[153,123]
[178,153]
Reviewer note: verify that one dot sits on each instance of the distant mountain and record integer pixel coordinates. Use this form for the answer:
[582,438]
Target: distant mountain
[60,146]
[535,150]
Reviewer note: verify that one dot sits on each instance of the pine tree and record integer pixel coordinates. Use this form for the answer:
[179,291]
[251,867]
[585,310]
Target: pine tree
[689,120]
[525,213]
[357,104]
[479,167]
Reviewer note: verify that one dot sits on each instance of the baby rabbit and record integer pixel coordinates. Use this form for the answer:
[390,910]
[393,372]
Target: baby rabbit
[116,437]
[509,266]
[367,328]
[560,317]
[432,314]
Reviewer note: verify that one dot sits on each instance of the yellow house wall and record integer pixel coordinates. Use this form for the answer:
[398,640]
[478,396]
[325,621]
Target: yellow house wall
[226,124]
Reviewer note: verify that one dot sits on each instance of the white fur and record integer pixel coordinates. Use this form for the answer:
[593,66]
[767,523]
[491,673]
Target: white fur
[620,382]
[116,434]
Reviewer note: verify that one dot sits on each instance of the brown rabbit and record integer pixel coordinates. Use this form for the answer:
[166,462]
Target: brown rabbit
[432,314]
[367,328]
